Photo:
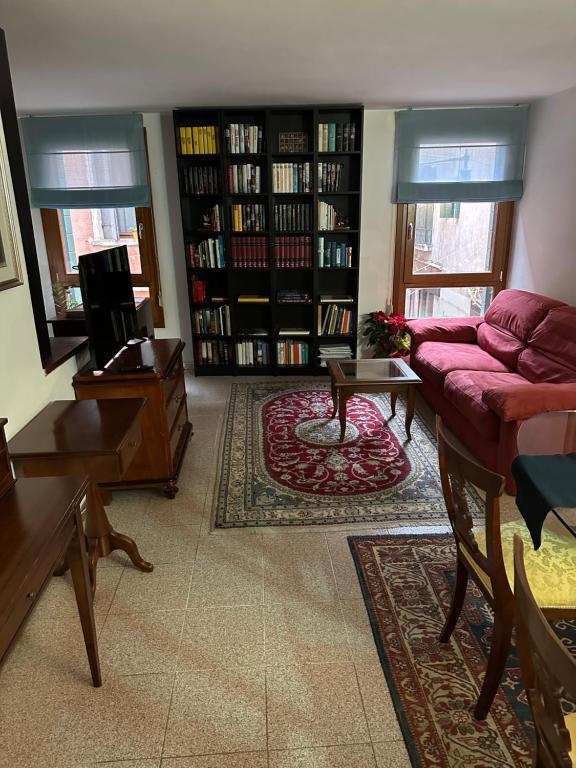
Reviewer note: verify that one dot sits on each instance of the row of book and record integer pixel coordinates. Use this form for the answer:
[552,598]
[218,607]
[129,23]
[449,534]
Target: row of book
[212,322]
[212,219]
[336,137]
[245,178]
[208,253]
[333,254]
[199,140]
[213,353]
[329,175]
[292,177]
[248,217]
[249,252]
[201,180]
[334,319]
[293,296]
[244,139]
[292,352]
[293,252]
[328,216]
[252,352]
[291,217]
[334,352]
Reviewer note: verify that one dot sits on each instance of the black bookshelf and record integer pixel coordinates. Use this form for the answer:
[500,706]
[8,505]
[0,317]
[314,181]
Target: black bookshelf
[286,226]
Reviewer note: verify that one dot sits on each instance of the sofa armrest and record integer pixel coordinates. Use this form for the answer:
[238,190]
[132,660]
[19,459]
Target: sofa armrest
[457,329]
[516,402]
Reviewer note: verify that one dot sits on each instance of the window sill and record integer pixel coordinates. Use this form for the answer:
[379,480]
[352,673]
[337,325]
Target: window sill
[62,348]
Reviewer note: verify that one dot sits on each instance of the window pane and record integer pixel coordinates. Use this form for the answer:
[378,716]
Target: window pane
[451,238]
[86,230]
[447,302]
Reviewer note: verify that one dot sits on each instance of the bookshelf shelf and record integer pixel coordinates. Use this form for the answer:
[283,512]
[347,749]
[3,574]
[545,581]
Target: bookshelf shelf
[271,128]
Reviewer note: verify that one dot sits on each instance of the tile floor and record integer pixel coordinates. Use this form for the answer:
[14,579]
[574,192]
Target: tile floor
[243,649]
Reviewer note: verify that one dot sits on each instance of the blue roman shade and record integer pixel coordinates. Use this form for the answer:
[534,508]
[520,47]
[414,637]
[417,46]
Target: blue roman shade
[87,161]
[452,155]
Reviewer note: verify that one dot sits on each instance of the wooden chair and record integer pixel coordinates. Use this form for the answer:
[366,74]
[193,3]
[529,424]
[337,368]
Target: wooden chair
[486,555]
[549,673]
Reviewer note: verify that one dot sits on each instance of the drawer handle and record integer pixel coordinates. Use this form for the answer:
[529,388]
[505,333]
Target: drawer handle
[30,595]
[132,443]
[180,427]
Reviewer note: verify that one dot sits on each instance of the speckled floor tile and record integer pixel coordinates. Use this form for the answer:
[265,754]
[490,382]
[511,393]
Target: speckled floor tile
[359,632]
[357,756]
[298,569]
[239,760]
[164,589]
[392,755]
[378,705]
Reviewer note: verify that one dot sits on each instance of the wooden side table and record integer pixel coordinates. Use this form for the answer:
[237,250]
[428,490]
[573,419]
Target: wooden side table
[41,524]
[98,438]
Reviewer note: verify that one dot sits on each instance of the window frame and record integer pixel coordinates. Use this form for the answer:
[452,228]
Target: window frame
[404,278]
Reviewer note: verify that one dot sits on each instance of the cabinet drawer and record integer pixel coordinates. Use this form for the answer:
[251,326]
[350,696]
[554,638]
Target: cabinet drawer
[172,379]
[178,430]
[130,447]
[175,401]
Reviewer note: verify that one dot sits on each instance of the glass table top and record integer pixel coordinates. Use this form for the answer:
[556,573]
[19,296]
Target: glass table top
[375,370]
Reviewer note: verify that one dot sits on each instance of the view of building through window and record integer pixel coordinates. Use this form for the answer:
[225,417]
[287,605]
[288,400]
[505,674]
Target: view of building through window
[451,238]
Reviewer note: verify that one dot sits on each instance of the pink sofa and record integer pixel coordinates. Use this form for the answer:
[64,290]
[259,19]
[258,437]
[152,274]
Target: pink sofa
[485,375]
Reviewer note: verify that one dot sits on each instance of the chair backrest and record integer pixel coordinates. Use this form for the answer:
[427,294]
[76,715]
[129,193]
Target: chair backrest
[548,670]
[548,433]
[461,478]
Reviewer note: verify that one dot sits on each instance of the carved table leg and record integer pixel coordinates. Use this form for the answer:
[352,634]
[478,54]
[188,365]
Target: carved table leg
[393,398]
[170,490]
[411,397]
[334,400]
[342,400]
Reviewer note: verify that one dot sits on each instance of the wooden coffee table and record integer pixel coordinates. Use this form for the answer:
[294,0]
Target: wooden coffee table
[350,377]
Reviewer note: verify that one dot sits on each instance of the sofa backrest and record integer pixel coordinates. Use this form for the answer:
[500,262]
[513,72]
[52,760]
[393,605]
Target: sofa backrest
[510,321]
[551,352]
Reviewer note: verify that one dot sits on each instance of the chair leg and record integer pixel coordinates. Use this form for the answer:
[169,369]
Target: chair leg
[499,650]
[457,601]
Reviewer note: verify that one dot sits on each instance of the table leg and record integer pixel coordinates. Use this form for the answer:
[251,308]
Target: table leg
[103,539]
[78,563]
[393,398]
[334,400]
[411,397]
[342,400]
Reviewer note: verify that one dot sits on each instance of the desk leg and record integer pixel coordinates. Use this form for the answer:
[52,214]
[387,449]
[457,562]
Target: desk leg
[103,539]
[78,563]
[342,400]
[334,400]
[411,397]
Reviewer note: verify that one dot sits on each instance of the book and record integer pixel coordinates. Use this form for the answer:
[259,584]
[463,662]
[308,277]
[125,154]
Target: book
[339,298]
[253,299]
[293,332]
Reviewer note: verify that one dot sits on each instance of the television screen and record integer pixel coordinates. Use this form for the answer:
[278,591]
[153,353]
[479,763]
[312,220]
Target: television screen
[108,301]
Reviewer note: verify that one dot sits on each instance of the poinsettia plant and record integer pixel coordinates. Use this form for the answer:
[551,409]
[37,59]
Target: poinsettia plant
[387,334]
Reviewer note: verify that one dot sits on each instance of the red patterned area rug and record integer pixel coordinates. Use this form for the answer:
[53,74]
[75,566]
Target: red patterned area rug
[281,461]
[407,584]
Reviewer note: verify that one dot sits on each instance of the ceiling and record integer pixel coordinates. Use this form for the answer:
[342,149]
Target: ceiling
[88,55]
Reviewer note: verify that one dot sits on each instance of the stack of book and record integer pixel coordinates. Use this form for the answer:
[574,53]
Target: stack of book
[199,140]
[201,180]
[329,176]
[213,219]
[243,139]
[249,252]
[208,253]
[293,252]
[252,352]
[253,299]
[332,254]
[291,217]
[334,352]
[328,217]
[248,217]
[336,320]
[213,353]
[292,352]
[212,322]
[292,177]
[336,137]
[244,179]
[293,296]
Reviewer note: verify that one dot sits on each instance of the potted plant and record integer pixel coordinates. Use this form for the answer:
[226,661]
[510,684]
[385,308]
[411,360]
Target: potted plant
[387,334]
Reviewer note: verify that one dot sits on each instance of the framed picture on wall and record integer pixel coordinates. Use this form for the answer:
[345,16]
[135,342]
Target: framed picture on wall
[11,255]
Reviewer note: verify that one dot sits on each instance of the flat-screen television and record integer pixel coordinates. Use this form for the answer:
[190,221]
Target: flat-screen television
[108,301]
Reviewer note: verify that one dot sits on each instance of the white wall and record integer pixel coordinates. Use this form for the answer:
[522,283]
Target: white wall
[544,237]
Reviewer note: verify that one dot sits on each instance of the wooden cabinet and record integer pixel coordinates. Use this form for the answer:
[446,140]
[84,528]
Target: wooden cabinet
[165,426]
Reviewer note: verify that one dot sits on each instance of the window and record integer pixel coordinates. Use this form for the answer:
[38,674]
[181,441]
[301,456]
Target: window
[451,258]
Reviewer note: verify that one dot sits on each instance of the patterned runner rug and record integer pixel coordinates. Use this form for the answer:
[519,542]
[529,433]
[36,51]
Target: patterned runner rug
[407,585]
[281,462]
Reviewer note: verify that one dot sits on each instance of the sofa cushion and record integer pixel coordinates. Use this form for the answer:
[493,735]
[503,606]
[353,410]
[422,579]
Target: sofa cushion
[519,312]
[464,390]
[435,359]
[551,352]
[500,344]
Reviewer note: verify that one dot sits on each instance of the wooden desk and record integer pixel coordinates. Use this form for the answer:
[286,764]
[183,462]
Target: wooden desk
[165,426]
[89,437]
[40,524]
